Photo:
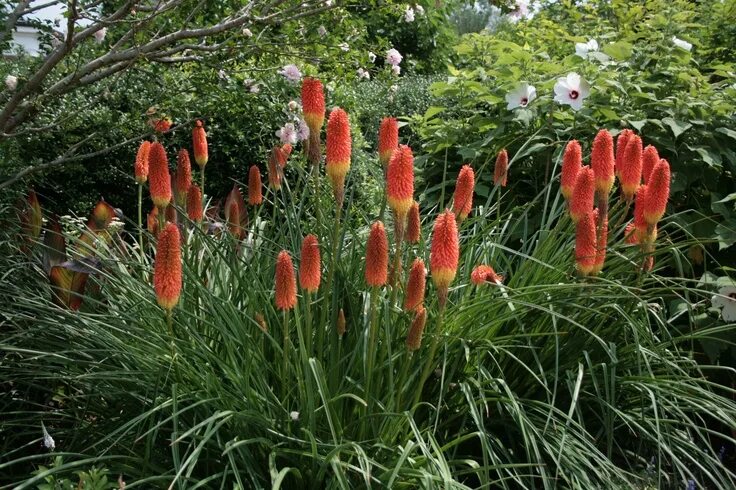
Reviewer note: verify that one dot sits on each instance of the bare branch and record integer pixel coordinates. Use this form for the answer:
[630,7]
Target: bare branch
[13,19]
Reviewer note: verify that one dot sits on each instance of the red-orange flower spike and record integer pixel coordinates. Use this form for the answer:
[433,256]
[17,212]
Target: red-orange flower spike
[501,171]
[483,274]
[313,104]
[445,253]
[195,210]
[649,159]
[585,244]
[621,140]
[658,193]
[310,269]
[183,175]
[158,175]
[388,139]
[141,162]
[235,213]
[630,167]
[415,285]
[167,267]
[416,330]
[339,147]
[581,202]
[643,233]
[602,162]
[601,244]
[275,168]
[285,282]
[199,142]
[161,125]
[376,256]
[255,187]
[462,201]
[572,161]
[400,181]
[414,225]
[286,149]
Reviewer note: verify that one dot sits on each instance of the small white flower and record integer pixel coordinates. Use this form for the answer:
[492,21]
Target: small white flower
[294,415]
[681,43]
[726,299]
[409,14]
[364,74]
[100,34]
[321,31]
[396,70]
[291,73]
[302,133]
[521,96]
[48,441]
[371,56]
[393,57]
[255,88]
[344,47]
[582,49]
[11,82]
[571,90]
[394,88]
[293,105]
[222,75]
[247,32]
[287,134]
[419,10]
[328,3]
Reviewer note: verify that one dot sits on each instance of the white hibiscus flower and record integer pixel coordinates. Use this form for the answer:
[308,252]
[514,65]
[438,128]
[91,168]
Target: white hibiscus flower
[572,90]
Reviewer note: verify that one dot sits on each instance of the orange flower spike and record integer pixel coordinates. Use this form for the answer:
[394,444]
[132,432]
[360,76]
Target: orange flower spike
[602,162]
[339,147]
[199,142]
[141,162]
[313,104]
[415,285]
[310,269]
[286,150]
[445,253]
[500,172]
[600,247]
[414,225]
[621,140]
[388,139]
[158,175]
[161,125]
[416,330]
[658,193]
[649,159]
[581,202]
[483,274]
[195,211]
[285,282]
[167,268]
[585,244]
[462,201]
[630,167]
[400,181]
[376,256]
[255,187]
[232,217]
[642,234]
[572,161]
[183,175]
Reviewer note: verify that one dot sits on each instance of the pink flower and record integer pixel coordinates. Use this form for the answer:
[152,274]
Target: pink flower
[393,57]
[291,73]
[287,134]
[100,35]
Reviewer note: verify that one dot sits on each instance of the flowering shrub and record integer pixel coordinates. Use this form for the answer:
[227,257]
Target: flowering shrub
[212,348]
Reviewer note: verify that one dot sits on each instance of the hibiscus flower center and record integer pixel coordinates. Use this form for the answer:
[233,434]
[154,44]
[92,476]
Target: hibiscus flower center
[524,101]
[574,94]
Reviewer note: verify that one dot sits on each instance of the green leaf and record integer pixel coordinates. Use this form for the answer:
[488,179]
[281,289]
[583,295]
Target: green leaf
[620,50]
[677,127]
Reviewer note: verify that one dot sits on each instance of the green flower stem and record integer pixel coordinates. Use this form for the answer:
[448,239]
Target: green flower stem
[370,351]
[140,218]
[402,379]
[432,353]
[328,291]
[285,356]
[201,180]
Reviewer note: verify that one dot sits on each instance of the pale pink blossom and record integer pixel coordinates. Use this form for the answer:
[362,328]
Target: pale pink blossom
[291,73]
[11,82]
[287,134]
[100,34]
[393,57]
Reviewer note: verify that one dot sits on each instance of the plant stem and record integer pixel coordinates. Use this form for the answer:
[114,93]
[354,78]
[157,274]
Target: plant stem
[308,321]
[402,380]
[201,178]
[370,349]
[140,218]
[328,292]
[432,353]
[285,365]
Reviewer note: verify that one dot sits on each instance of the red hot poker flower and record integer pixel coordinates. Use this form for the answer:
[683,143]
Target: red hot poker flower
[462,201]
[167,277]
[602,162]
[158,175]
[581,202]
[416,330]
[415,285]
[183,176]
[255,190]
[400,181]
[388,139]
[585,244]
[310,269]
[376,256]
[658,193]
[285,282]
[195,210]
[338,150]
[141,162]
[630,167]
[501,170]
[621,141]
[484,274]
[199,142]
[414,225]
[445,253]
[650,158]
[572,161]
[313,104]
